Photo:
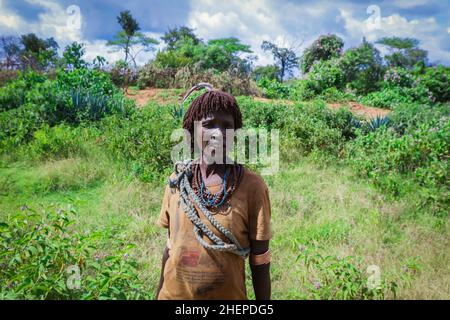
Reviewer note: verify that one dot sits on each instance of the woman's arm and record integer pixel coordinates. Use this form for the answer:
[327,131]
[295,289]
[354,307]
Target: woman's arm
[260,273]
[163,264]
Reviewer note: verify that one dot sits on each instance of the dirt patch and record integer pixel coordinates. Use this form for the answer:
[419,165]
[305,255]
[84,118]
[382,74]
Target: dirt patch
[141,97]
[354,107]
[164,96]
[282,101]
[360,110]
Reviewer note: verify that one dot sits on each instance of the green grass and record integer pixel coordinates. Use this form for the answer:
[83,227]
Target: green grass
[324,211]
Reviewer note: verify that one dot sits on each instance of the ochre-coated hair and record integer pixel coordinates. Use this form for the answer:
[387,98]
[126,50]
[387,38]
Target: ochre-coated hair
[208,103]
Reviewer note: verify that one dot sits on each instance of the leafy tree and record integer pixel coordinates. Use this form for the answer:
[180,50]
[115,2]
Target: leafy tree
[130,37]
[38,53]
[223,53]
[173,36]
[324,48]
[10,48]
[73,56]
[285,58]
[186,52]
[362,67]
[404,52]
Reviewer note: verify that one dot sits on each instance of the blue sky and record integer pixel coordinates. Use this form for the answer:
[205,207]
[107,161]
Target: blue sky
[287,22]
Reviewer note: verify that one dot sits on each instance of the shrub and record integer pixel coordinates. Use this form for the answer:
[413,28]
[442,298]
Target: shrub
[7,76]
[142,141]
[271,72]
[387,98]
[332,277]
[96,81]
[123,75]
[273,89]
[324,75]
[436,80]
[420,154]
[153,76]
[231,80]
[18,126]
[334,95]
[16,92]
[43,258]
[398,77]
[60,141]
[302,90]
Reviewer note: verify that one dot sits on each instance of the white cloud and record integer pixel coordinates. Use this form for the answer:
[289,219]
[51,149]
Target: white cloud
[55,22]
[427,30]
[251,21]
[51,23]
[8,19]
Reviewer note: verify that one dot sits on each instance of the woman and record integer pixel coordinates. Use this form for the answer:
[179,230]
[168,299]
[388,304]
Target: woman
[217,213]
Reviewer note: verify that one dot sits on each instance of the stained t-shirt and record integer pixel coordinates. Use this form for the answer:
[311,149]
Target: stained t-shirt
[193,272]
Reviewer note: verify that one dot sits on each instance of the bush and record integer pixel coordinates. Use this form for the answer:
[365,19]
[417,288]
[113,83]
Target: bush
[420,154]
[271,72]
[334,95]
[387,98]
[436,80]
[60,141]
[75,96]
[7,76]
[18,126]
[302,90]
[142,141]
[273,89]
[333,277]
[123,75]
[43,258]
[231,80]
[363,68]
[153,76]
[17,92]
[324,75]
[398,77]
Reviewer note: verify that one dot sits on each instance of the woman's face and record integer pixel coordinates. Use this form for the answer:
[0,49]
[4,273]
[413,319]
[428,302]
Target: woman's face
[212,137]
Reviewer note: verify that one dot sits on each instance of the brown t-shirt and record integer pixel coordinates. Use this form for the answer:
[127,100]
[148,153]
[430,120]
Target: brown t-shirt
[193,272]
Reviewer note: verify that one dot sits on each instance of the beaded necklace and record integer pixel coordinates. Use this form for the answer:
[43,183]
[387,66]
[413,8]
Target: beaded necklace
[230,181]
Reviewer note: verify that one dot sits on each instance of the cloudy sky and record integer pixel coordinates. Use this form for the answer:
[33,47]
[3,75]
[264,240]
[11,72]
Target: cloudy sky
[287,22]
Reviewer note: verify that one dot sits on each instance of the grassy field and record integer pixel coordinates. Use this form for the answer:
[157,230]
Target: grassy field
[326,221]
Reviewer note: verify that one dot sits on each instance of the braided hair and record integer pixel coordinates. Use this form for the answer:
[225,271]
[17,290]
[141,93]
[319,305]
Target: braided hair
[208,103]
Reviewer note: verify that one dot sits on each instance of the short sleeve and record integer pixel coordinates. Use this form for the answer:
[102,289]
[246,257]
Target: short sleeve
[163,220]
[259,215]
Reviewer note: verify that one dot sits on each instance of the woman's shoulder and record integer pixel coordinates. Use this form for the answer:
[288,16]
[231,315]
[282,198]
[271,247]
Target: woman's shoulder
[253,180]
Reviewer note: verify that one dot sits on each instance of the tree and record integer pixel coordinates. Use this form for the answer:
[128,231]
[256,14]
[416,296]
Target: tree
[38,53]
[362,67]
[324,48]
[285,58]
[129,38]
[73,56]
[10,48]
[223,53]
[404,52]
[185,52]
[173,36]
